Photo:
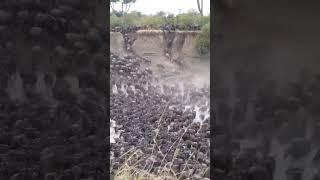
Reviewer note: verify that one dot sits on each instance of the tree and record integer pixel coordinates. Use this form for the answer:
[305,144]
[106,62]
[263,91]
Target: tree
[170,18]
[161,13]
[134,18]
[136,13]
[200,6]
[185,19]
[116,13]
[112,3]
[125,7]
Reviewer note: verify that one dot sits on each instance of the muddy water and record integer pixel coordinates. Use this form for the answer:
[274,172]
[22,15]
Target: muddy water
[197,70]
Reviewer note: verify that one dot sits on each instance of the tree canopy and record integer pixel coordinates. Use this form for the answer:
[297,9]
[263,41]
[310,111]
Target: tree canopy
[191,18]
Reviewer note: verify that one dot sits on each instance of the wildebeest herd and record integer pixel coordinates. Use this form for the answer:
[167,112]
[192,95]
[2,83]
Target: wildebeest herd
[173,27]
[285,125]
[53,78]
[159,119]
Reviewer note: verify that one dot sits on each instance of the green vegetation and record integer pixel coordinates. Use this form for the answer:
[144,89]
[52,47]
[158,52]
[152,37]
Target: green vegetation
[125,7]
[191,18]
[115,21]
[203,40]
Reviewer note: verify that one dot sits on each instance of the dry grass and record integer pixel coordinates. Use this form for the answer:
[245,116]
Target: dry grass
[130,171]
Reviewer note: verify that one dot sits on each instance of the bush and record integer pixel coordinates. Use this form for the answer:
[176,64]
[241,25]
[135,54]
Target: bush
[170,19]
[191,18]
[134,18]
[202,20]
[186,19]
[203,40]
[154,21]
[115,21]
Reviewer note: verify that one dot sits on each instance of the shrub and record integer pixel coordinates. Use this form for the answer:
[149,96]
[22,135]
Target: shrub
[115,21]
[186,19]
[203,40]
[154,21]
[134,18]
[191,18]
[202,20]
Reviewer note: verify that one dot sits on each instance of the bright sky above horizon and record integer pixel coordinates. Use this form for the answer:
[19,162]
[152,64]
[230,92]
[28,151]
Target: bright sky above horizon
[168,6]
